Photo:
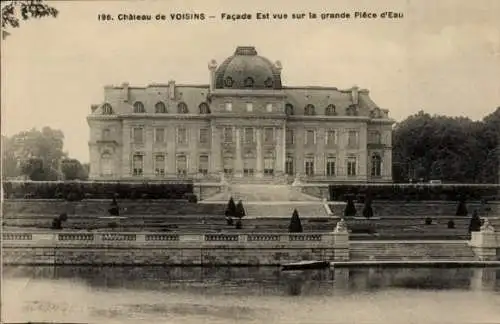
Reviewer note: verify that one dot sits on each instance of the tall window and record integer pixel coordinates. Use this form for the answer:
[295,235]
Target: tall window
[289,167]
[352,139]
[228,165]
[248,165]
[228,134]
[181,164]
[351,166]
[375,137]
[249,107]
[160,108]
[203,165]
[376,169]
[106,165]
[289,110]
[268,166]
[268,135]
[203,135]
[309,165]
[137,133]
[310,137]
[309,110]
[331,137]
[159,165]
[159,135]
[289,137]
[330,166]
[138,165]
[139,107]
[248,135]
[182,138]
[182,108]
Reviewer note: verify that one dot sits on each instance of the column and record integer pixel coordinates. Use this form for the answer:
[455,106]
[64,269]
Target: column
[363,153]
[260,169]
[387,164]
[126,154]
[341,158]
[171,158]
[148,151]
[215,152]
[238,172]
[279,152]
[193,148]
[283,148]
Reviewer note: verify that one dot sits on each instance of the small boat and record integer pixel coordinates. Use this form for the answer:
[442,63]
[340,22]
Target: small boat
[305,265]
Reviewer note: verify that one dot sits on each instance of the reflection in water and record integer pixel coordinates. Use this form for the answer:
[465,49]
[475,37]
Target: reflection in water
[249,295]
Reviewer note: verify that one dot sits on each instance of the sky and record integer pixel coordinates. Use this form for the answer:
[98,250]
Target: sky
[442,57]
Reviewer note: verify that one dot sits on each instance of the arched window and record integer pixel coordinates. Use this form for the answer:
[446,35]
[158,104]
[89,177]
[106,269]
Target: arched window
[160,108]
[106,164]
[204,109]
[139,107]
[289,109]
[248,82]
[269,82]
[309,110]
[182,108]
[376,169]
[330,110]
[228,82]
[107,109]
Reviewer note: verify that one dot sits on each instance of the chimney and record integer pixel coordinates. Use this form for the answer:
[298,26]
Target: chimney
[171,90]
[212,66]
[125,91]
[354,95]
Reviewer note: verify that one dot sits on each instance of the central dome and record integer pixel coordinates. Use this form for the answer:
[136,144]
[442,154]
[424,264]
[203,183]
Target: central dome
[247,70]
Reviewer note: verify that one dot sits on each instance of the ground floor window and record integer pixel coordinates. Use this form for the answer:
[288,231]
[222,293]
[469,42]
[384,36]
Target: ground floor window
[203,165]
[309,165]
[330,166]
[289,167]
[268,166]
[181,163]
[160,165]
[138,165]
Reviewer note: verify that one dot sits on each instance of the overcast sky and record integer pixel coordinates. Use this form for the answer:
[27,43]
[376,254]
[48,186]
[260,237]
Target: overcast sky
[443,56]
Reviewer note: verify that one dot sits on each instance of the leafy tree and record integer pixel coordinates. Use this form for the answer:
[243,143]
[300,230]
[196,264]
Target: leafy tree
[35,170]
[240,210]
[475,222]
[295,223]
[367,209]
[461,208]
[350,208]
[73,170]
[14,10]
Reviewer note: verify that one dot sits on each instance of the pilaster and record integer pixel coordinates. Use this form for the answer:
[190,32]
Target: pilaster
[259,162]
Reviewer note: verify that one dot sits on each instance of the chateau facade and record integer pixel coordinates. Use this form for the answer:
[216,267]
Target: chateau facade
[245,124]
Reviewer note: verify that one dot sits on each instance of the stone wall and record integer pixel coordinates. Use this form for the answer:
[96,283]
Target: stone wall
[79,248]
[486,244]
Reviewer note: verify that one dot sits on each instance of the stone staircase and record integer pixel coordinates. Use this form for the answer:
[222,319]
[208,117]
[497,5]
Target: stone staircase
[407,250]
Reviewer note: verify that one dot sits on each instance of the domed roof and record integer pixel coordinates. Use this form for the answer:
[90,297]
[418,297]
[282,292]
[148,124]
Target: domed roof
[247,70]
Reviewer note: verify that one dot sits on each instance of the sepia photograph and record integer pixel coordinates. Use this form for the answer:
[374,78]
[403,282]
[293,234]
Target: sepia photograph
[279,162]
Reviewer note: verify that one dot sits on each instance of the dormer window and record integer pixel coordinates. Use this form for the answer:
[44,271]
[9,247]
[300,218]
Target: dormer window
[248,83]
[289,109]
[204,109]
[228,82]
[351,111]
[160,108]
[330,110]
[107,109]
[182,108]
[309,110]
[139,108]
[268,83]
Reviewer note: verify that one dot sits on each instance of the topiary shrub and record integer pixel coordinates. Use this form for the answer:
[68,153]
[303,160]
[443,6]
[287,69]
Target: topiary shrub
[350,208]
[475,222]
[295,223]
[239,224]
[367,209]
[240,211]
[428,221]
[461,208]
[451,224]
[56,224]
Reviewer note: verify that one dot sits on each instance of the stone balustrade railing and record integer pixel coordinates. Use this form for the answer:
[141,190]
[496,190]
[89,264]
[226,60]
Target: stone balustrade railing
[325,239]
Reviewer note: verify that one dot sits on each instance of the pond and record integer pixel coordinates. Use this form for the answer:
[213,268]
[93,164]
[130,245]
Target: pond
[250,295]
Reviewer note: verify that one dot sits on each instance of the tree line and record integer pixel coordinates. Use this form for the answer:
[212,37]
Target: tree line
[450,149]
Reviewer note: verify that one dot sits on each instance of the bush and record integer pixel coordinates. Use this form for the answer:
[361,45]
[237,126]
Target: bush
[350,208]
[451,224]
[240,211]
[428,221]
[63,217]
[368,210]
[231,208]
[295,223]
[56,224]
[192,198]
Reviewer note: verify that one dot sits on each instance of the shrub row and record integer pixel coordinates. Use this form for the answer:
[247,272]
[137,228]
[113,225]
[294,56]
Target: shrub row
[96,190]
[415,192]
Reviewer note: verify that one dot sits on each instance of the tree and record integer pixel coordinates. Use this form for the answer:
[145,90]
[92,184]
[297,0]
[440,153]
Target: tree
[461,208]
[73,170]
[367,209]
[240,210]
[35,170]
[350,208]
[475,222]
[295,223]
[13,10]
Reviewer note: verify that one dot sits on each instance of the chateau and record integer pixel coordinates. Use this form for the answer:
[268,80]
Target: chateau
[245,125]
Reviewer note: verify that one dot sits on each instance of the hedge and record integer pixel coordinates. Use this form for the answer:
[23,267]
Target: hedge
[415,192]
[76,190]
